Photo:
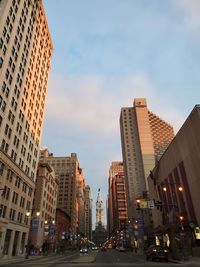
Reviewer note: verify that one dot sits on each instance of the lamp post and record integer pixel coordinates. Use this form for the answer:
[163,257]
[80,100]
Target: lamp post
[174,203]
[50,233]
[30,214]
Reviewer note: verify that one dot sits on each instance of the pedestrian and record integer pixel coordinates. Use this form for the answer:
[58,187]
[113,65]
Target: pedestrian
[136,245]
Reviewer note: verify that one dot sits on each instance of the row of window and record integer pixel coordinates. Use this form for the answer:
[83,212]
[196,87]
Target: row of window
[12,215]
[18,181]
[15,197]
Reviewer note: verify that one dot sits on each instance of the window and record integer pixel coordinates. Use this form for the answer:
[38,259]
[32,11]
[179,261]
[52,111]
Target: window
[7,38]
[18,181]
[1,168]
[3,106]
[3,211]
[6,192]
[22,201]
[13,17]
[7,74]
[12,214]
[1,42]
[9,175]
[4,50]
[4,31]
[24,188]
[1,62]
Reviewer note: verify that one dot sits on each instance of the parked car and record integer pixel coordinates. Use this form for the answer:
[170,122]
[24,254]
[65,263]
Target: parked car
[155,252]
[83,250]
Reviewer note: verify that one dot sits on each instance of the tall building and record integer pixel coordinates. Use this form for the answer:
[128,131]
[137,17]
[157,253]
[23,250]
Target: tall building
[81,202]
[88,212]
[99,210]
[144,138]
[67,170]
[25,59]
[115,168]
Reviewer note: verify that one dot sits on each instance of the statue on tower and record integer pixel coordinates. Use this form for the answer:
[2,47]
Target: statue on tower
[99,210]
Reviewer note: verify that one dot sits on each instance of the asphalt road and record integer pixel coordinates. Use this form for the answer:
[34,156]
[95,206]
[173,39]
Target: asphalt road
[108,258]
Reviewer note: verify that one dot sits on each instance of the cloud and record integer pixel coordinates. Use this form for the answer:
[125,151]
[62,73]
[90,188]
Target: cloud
[191,9]
[91,102]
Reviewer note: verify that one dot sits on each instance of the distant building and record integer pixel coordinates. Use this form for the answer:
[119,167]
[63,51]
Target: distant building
[144,138]
[120,213]
[67,170]
[25,59]
[100,234]
[117,202]
[81,203]
[88,212]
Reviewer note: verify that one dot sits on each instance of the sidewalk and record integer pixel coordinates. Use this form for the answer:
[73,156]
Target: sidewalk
[21,258]
[18,259]
[192,261]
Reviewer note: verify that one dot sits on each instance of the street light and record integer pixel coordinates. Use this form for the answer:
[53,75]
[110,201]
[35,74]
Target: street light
[29,214]
[181,218]
[49,231]
[180,188]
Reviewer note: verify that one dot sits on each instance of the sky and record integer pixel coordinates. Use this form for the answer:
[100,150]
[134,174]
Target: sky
[106,53]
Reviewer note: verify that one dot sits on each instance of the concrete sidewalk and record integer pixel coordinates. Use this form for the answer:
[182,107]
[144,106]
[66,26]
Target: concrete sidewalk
[192,261]
[17,259]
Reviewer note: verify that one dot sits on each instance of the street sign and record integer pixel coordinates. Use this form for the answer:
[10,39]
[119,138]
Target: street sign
[151,204]
[143,203]
[35,224]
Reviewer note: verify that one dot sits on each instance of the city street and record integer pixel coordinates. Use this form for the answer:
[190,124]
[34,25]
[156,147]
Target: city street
[108,258]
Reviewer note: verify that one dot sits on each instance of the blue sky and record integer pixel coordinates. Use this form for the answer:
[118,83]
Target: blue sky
[106,53]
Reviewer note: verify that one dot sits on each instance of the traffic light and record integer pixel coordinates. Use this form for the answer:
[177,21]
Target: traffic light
[153,177]
[137,204]
[159,205]
[181,218]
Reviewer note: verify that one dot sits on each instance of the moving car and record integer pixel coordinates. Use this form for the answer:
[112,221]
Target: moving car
[155,252]
[103,248]
[122,249]
[94,248]
[83,250]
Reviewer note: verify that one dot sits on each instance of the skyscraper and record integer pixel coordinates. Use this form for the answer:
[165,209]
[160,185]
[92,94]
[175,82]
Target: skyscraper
[25,58]
[144,138]
[88,212]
